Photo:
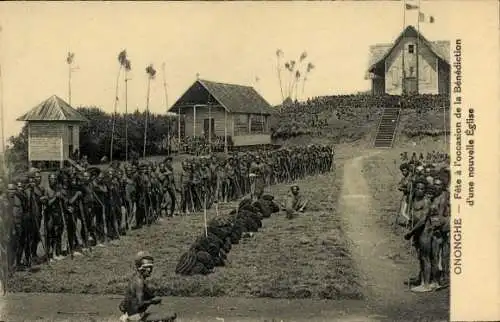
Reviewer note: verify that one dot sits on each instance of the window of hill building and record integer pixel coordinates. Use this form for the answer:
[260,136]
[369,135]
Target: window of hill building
[257,124]
[240,124]
[411,49]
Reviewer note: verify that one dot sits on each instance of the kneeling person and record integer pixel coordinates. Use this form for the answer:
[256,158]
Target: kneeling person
[138,297]
[295,203]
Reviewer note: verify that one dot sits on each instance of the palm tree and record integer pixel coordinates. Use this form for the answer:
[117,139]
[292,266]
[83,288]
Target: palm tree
[291,68]
[122,57]
[128,68]
[279,54]
[309,68]
[296,82]
[69,61]
[151,72]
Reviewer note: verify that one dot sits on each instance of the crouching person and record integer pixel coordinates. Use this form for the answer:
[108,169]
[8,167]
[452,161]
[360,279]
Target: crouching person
[138,297]
[295,203]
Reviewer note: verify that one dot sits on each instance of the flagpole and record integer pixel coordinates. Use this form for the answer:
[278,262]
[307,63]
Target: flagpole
[2,115]
[404,50]
[166,105]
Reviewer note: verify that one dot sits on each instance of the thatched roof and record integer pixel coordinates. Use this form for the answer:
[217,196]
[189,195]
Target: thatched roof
[379,52]
[53,109]
[233,98]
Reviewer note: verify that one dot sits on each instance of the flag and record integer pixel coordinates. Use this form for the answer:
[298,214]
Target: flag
[411,7]
[70,57]
[421,17]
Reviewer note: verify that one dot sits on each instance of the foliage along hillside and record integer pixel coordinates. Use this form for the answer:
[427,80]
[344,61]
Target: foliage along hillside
[95,137]
[348,118]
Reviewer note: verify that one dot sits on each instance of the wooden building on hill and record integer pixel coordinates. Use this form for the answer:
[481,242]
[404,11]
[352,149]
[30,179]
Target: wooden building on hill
[53,131]
[394,68]
[224,110]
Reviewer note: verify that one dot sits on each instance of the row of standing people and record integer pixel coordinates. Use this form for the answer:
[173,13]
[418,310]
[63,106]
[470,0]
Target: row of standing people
[425,212]
[83,207]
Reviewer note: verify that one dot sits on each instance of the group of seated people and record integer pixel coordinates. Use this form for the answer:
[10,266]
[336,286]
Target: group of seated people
[202,146]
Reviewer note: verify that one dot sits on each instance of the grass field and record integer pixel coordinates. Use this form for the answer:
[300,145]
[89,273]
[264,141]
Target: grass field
[343,251]
[307,257]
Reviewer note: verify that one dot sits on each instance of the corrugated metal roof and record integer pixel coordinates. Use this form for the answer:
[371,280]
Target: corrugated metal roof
[234,98]
[379,52]
[53,109]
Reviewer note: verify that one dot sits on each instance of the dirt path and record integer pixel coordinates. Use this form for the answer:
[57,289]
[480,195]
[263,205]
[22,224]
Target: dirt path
[383,278]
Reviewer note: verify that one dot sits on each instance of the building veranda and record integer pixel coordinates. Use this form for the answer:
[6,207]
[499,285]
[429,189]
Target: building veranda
[234,114]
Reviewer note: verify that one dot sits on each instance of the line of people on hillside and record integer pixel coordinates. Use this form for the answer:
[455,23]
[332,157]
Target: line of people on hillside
[85,207]
[315,112]
[425,213]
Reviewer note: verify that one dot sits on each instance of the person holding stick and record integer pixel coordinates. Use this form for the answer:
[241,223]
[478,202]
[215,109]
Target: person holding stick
[55,217]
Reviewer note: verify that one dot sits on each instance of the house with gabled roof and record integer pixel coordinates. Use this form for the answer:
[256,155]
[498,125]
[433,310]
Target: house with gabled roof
[224,110]
[53,130]
[394,68]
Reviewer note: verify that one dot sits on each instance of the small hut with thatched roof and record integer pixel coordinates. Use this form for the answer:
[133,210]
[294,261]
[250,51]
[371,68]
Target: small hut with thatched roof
[53,131]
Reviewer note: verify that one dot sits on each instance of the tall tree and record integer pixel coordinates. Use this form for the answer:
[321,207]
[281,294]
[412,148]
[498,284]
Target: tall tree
[309,68]
[122,57]
[279,55]
[69,61]
[151,72]
[128,67]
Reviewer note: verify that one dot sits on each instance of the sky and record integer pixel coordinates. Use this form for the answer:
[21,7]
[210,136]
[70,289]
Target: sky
[233,42]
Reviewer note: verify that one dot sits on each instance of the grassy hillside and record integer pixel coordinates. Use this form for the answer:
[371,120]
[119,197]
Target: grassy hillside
[350,118]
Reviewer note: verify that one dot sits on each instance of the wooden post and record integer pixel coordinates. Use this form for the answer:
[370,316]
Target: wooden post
[225,131]
[209,129]
[61,162]
[194,121]
[179,128]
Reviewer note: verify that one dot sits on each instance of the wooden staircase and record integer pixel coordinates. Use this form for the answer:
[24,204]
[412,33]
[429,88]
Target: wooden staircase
[387,127]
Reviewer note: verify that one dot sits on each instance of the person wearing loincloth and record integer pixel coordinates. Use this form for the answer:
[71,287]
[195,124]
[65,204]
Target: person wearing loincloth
[138,296]
[295,203]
